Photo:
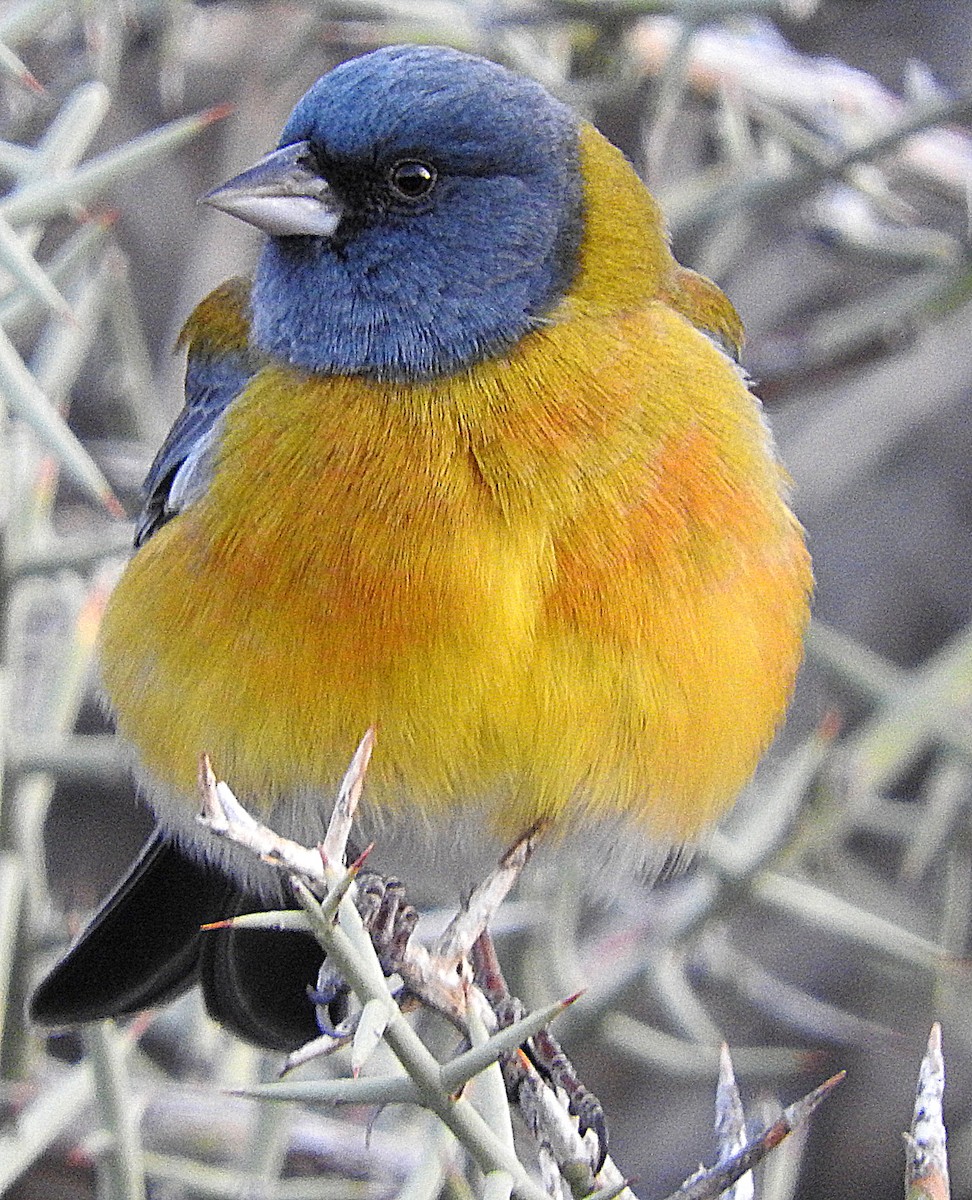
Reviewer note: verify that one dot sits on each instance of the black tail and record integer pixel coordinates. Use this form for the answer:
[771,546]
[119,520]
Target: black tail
[144,946]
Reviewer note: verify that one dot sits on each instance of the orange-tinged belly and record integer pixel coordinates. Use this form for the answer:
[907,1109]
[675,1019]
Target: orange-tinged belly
[575,598]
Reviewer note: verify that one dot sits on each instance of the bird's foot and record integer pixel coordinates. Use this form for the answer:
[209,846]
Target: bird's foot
[543,1051]
[553,1064]
[390,921]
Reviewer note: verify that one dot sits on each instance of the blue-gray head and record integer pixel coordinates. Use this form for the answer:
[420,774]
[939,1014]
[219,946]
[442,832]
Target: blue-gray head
[424,212]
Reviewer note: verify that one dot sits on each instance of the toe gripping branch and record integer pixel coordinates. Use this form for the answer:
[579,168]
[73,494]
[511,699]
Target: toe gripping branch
[390,922]
[542,1050]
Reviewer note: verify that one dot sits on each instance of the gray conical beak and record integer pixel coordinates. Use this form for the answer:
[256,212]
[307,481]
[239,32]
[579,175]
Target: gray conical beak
[283,194]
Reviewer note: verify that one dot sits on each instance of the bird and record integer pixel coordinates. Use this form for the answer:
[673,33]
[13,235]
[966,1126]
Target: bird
[469,460]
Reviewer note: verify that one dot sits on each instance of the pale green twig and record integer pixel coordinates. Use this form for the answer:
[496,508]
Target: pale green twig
[67,193]
[119,1111]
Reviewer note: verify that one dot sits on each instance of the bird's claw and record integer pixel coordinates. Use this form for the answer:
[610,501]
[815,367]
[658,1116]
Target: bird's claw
[543,1051]
[390,922]
[388,918]
[554,1065]
[591,1119]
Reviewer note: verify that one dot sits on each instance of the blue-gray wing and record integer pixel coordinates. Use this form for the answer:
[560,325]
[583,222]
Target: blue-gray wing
[218,367]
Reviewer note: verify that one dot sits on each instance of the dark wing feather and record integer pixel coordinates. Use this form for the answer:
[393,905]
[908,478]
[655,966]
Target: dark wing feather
[219,364]
[211,386]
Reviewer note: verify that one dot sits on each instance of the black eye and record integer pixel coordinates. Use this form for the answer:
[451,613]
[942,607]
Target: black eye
[412,180]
